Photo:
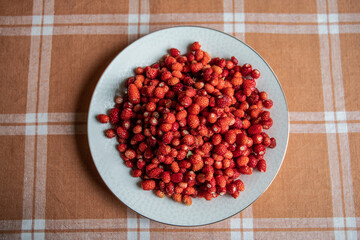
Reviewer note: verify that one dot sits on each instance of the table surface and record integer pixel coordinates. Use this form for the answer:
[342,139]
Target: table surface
[52,54]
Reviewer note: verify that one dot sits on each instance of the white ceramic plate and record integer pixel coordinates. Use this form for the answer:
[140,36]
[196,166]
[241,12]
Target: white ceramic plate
[116,175]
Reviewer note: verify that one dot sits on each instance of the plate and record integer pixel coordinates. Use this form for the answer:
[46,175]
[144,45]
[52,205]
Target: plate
[116,175]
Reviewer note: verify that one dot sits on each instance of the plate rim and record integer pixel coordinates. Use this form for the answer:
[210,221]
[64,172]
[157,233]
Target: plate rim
[221,32]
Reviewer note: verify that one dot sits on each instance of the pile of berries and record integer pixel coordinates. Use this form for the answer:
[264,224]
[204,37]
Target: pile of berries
[190,125]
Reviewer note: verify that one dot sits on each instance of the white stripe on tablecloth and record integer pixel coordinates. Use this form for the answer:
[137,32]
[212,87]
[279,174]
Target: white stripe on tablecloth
[31,103]
[247,223]
[43,101]
[117,223]
[144,17]
[132,224]
[181,17]
[235,228]
[133,29]
[133,19]
[90,18]
[348,192]
[145,226]
[295,235]
[333,156]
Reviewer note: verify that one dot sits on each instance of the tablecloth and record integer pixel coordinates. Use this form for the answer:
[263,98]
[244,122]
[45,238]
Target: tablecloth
[52,53]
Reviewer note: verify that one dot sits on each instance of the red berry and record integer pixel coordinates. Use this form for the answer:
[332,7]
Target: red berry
[103,118]
[272,143]
[195,46]
[114,115]
[268,103]
[134,94]
[110,133]
[174,52]
[255,129]
[261,166]
[148,185]
[255,74]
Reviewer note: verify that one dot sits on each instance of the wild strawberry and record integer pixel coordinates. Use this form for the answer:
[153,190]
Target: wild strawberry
[177,74]
[169,118]
[268,103]
[223,123]
[220,181]
[199,54]
[188,81]
[245,170]
[231,188]
[175,167]
[252,161]
[185,101]
[160,193]
[169,61]
[126,114]
[165,176]
[110,133]
[198,166]
[246,69]
[174,52]
[194,109]
[176,177]
[242,161]
[114,115]
[166,76]
[239,185]
[173,81]
[202,101]
[255,74]
[165,127]
[188,139]
[196,67]
[136,173]
[168,137]
[235,194]
[190,92]
[152,73]
[122,133]
[134,94]
[103,118]
[272,143]
[230,137]
[263,95]
[177,197]
[255,129]
[195,46]
[193,121]
[139,137]
[159,92]
[148,185]
[155,173]
[163,149]
[189,191]
[260,149]
[261,166]
[267,124]
[220,149]
[223,101]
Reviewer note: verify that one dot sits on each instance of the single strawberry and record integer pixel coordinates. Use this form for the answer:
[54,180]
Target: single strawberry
[223,101]
[114,115]
[102,118]
[134,94]
[148,185]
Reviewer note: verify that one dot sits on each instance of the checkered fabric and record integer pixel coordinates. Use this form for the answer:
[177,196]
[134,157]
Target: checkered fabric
[52,54]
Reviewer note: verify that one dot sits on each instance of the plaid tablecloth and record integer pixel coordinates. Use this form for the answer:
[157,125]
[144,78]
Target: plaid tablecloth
[52,54]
